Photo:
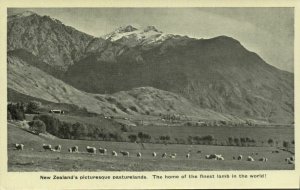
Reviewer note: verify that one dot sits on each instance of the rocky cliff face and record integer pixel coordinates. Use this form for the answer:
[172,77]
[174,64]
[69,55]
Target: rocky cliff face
[218,73]
[54,43]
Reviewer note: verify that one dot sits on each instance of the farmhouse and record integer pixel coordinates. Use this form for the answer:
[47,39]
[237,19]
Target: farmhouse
[57,111]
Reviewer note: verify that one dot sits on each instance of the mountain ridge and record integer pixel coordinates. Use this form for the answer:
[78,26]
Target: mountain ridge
[217,73]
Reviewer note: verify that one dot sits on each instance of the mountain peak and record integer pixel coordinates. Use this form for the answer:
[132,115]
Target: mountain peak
[124,29]
[21,15]
[25,14]
[151,28]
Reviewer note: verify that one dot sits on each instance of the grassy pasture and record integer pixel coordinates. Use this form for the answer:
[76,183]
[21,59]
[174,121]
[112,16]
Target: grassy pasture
[34,158]
[260,134]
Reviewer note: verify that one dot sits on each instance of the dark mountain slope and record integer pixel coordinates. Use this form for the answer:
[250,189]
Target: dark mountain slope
[217,73]
[47,38]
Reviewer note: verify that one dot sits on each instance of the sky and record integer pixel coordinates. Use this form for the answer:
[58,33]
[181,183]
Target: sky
[269,32]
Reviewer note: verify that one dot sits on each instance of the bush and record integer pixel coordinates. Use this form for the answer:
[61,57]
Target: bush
[230,140]
[33,106]
[271,142]
[37,126]
[52,124]
[144,137]
[286,144]
[132,138]
[16,111]
[237,141]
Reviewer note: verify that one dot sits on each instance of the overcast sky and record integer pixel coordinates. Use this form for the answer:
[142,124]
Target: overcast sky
[267,31]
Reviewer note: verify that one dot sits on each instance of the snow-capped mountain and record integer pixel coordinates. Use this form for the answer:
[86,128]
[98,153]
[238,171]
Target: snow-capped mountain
[217,73]
[132,36]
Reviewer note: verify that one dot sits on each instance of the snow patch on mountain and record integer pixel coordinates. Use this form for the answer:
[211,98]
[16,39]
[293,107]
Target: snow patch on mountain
[133,36]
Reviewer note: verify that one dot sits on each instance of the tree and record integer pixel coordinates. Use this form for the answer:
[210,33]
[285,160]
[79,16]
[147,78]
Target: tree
[230,140]
[237,141]
[37,126]
[271,142]
[16,111]
[79,130]
[286,144]
[33,106]
[52,124]
[132,138]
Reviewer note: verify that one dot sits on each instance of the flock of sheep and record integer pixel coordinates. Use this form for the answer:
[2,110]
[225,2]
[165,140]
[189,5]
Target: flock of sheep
[103,151]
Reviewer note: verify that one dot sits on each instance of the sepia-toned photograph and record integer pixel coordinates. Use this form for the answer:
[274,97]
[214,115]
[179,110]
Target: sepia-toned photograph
[150,89]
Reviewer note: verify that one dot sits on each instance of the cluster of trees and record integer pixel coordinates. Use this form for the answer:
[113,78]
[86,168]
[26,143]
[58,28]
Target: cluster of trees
[242,141]
[219,124]
[16,111]
[141,137]
[37,126]
[77,130]
[172,117]
[208,139]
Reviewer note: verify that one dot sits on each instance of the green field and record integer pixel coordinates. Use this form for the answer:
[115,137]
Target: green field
[34,158]
[261,134]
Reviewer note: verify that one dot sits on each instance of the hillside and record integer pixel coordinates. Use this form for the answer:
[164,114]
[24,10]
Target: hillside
[59,48]
[217,74]
[32,82]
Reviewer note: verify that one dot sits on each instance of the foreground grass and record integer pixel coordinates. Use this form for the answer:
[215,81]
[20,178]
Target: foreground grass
[34,158]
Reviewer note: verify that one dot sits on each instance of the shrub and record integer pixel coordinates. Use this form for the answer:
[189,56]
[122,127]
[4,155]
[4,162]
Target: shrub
[37,126]
[144,137]
[271,142]
[237,141]
[124,128]
[230,140]
[33,106]
[52,124]
[286,144]
[16,111]
[132,138]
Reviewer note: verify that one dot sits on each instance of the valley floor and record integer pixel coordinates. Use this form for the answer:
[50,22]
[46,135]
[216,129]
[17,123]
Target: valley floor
[34,158]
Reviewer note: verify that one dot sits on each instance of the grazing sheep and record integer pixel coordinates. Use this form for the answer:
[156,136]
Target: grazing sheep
[139,155]
[240,157]
[213,156]
[125,153]
[290,161]
[47,147]
[102,150]
[263,159]
[220,158]
[250,159]
[188,155]
[57,148]
[154,154]
[90,149]
[173,155]
[114,153]
[164,155]
[73,149]
[19,146]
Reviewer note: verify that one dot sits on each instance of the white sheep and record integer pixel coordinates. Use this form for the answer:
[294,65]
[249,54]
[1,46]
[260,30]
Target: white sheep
[114,153]
[125,153]
[47,147]
[90,149]
[19,146]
